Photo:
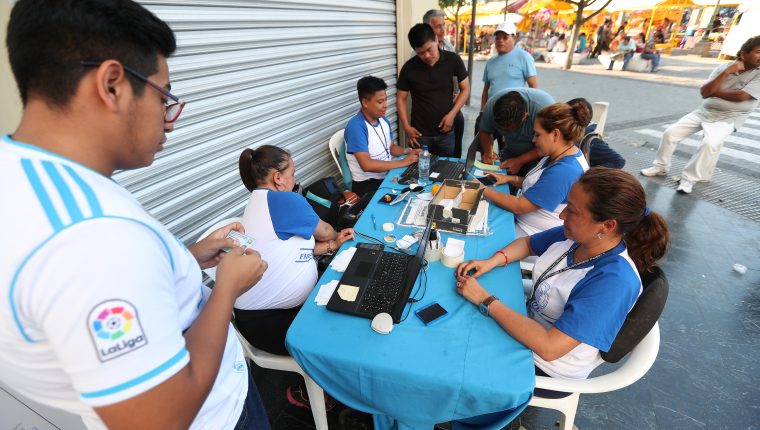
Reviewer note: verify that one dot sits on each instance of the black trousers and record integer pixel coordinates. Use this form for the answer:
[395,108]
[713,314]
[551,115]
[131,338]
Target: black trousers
[458,134]
[363,187]
[266,329]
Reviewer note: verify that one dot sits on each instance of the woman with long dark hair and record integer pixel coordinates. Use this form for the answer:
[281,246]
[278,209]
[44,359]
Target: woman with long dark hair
[586,278]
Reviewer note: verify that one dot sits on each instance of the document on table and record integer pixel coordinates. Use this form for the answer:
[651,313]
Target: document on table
[325,292]
[340,262]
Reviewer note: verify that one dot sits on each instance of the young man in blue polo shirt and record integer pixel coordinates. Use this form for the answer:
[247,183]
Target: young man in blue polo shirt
[369,139]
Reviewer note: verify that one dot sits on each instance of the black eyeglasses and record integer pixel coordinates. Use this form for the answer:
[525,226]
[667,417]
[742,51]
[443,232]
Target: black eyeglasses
[171,109]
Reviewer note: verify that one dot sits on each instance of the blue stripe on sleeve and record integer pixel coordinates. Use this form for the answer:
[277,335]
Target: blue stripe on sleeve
[140,379]
[540,242]
[42,195]
[63,189]
[14,280]
[356,135]
[89,194]
[555,182]
[291,215]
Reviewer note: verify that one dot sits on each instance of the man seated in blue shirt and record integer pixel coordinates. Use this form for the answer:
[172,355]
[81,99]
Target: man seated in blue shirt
[369,139]
[626,49]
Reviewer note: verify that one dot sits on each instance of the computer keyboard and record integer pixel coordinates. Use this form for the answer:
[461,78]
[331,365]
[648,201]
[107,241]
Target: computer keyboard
[449,169]
[384,291]
[412,172]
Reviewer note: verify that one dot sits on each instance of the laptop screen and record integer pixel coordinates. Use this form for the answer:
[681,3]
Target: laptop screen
[416,263]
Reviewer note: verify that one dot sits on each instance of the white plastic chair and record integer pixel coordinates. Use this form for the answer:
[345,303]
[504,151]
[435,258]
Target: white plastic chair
[600,115]
[277,362]
[337,147]
[637,364]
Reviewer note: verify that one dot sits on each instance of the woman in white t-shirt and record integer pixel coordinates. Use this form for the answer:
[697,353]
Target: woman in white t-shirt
[586,277]
[288,233]
[543,191]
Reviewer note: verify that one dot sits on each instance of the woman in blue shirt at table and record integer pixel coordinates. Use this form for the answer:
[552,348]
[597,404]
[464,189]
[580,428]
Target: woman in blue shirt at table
[288,234]
[586,278]
[543,191]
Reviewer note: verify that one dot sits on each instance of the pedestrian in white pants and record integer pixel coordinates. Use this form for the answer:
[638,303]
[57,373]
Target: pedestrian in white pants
[731,93]
[701,165]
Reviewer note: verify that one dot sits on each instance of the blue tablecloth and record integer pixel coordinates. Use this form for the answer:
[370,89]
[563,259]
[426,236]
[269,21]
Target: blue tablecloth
[462,367]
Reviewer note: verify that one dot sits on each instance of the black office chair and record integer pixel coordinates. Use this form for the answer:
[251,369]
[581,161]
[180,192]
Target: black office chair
[642,317]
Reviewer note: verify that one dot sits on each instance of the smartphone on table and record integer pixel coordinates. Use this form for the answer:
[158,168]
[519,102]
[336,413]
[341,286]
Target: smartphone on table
[487,180]
[431,313]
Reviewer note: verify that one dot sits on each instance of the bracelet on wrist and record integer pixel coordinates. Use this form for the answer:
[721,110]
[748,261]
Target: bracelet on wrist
[506,259]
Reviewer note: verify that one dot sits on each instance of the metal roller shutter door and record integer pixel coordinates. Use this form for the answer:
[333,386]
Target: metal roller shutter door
[256,72]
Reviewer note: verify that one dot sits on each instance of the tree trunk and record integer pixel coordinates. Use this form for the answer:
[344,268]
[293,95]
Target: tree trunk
[576,30]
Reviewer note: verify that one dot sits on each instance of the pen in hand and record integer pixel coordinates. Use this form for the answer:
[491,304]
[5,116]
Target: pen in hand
[374,222]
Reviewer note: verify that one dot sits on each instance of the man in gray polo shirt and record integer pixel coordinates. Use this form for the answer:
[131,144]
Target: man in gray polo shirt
[731,94]
[511,113]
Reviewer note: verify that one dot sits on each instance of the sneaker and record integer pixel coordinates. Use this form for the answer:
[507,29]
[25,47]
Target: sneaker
[296,395]
[685,186]
[654,171]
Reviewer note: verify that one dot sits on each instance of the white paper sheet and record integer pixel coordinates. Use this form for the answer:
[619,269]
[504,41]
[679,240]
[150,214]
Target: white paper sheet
[340,262]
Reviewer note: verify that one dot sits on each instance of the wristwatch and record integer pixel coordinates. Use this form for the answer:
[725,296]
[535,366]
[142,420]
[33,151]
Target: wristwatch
[483,307]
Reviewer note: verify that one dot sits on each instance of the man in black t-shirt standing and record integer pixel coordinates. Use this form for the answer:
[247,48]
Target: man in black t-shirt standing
[430,77]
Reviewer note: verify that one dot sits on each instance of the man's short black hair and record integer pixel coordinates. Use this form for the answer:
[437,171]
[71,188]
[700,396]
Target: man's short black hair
[749,45]
[421,34]
[368,86]
[509,110]
[48,39]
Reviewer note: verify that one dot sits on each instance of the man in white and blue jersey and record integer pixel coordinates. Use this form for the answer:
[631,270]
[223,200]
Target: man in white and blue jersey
[369,139]
[104,311]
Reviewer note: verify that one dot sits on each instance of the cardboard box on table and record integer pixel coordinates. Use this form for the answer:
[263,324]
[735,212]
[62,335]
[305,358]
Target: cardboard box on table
[462,214]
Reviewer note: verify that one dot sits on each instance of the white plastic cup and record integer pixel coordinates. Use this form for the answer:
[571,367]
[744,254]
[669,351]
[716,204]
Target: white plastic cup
[740,268]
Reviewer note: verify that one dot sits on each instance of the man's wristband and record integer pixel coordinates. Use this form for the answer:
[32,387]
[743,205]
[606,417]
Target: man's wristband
[506,259]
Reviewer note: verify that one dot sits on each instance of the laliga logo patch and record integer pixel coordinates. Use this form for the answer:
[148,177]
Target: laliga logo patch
[115,329]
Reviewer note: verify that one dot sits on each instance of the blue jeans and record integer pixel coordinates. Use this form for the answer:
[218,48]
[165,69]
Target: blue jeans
[253,416]
[654,57]
[626,58]
[442,145]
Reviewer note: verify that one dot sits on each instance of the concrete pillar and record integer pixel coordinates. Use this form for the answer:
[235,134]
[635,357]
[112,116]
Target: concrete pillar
[10,102]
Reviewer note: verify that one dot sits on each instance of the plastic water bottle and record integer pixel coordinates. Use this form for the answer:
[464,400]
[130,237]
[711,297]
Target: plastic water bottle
[423,166]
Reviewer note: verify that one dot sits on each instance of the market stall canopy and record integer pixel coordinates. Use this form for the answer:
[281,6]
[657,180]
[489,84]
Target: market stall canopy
[553,5]
[493,8]
[497,19]
[677,3]
[618,5]
[723,3]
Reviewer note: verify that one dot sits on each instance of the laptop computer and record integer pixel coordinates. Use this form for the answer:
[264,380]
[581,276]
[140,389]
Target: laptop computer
[440,170]
[385,280]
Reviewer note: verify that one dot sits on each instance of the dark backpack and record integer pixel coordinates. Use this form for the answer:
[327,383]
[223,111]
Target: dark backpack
[585,144]
[325,198]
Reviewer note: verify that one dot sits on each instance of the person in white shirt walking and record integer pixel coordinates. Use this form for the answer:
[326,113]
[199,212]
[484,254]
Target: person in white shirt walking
[731,94]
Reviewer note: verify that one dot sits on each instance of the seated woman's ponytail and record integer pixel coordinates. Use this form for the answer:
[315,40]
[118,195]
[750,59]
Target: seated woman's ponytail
[616,194]
[255,165]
